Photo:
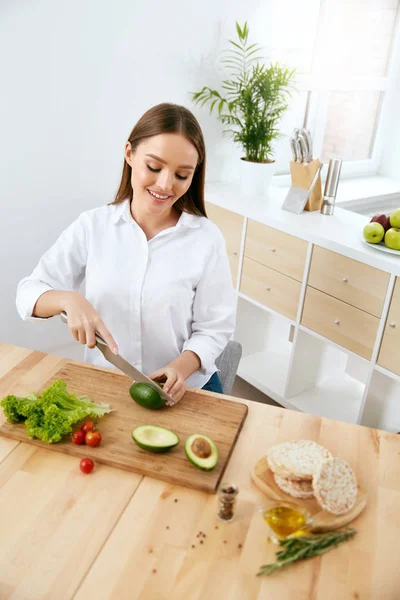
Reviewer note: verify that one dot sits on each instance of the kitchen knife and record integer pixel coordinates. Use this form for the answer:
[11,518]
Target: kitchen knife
[124,366]
[293,148]
[308,141]
[304,148]
[299,151]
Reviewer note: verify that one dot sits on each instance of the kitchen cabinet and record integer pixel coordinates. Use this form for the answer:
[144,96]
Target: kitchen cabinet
[270,288]
[275,249]
[314,307]
[389,355]
[340,322]
[349,280]
[231,226]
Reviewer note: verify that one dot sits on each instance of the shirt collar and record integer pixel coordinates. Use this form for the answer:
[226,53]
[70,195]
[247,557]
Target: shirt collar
[122,212]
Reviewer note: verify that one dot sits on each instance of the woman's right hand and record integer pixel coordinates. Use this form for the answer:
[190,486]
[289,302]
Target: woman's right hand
[84,322]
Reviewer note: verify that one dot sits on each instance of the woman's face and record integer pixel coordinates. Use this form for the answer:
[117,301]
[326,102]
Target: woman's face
[162,171]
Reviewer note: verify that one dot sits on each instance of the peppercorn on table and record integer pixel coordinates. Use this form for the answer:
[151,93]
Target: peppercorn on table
[117,535]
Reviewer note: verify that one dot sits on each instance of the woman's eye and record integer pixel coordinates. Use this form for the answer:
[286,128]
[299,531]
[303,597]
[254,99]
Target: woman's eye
[153,170]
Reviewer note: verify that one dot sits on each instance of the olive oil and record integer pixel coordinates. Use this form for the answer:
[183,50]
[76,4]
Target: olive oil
[285,520]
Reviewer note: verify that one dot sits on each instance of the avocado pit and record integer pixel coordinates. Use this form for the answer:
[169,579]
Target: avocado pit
[201,448]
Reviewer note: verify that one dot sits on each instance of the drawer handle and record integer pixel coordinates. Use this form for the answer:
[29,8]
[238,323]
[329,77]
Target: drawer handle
[235,253]
[337,322]
[393,325]
[345,280]
[268,289]
[273,249]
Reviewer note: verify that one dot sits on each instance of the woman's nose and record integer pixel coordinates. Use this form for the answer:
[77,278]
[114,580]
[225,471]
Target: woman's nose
[165,181]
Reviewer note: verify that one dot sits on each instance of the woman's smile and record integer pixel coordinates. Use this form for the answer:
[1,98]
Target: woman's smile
[157,197]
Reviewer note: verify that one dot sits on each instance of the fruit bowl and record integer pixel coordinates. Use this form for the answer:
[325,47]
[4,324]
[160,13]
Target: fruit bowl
[383,232]
[382,247]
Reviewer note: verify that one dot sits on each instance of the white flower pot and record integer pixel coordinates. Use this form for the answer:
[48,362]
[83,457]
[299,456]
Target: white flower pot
[255,178]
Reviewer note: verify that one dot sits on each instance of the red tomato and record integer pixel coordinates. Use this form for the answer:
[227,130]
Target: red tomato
[86,465]
[78,437]
[88,426]
[93,438]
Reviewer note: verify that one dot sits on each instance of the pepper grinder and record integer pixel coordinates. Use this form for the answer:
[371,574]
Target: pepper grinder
[331,185]
[227,501]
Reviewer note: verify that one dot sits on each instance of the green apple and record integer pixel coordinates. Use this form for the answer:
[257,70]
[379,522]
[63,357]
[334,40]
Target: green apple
[392,238]
[374,232]
[395,218]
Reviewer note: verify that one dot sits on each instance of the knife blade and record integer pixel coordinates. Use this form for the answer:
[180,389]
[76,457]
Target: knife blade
[123,365]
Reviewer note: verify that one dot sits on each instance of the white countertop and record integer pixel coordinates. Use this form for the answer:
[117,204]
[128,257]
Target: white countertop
[340,232]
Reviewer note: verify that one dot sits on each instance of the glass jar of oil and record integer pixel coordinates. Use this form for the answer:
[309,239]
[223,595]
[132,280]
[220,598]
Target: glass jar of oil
[285,519]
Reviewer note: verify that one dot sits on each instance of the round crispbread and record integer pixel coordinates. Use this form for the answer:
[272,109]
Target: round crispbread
[297,460]
[297,489]
[335,486]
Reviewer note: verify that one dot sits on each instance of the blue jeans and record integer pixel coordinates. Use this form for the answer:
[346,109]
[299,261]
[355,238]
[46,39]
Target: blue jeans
[213,384]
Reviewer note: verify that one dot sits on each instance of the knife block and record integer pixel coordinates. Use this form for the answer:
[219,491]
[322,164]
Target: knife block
[302,176]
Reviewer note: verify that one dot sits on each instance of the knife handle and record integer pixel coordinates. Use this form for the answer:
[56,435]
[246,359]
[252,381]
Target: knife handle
[99,339]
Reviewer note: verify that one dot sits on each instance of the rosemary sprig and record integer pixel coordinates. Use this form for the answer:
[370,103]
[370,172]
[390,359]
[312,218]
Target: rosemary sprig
[301,548]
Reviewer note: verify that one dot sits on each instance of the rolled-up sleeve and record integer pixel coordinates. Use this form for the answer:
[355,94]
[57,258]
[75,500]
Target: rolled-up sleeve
[214,309]
[62,267]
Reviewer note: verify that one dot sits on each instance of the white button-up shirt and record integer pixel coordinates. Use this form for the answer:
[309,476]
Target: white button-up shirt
[157,297]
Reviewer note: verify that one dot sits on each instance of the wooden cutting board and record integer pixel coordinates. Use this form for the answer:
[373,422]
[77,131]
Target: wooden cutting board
[322,519]
[197,412]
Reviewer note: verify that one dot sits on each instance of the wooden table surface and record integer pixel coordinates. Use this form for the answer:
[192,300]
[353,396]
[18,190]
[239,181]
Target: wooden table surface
[118,535]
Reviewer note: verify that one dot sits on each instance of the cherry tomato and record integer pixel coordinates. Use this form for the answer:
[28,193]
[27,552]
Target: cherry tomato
[88,426]
[86,465]
[78,437]
[93,438]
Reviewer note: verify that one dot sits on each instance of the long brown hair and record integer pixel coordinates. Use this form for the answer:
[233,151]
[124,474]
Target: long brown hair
[169,118]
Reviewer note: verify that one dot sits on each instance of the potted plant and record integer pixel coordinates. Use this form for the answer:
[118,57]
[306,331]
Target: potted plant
[253,102]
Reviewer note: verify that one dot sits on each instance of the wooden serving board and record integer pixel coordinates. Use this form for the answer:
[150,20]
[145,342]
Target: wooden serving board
[323,520]
[197,412]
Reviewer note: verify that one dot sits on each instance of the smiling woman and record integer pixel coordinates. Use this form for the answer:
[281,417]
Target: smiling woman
[165,156]
[158,286]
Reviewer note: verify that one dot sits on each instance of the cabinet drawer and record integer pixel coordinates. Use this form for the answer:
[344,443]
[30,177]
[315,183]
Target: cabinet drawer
[277,291]
[273,248]
[231,226]
[349,280]
[349,327]
[389,354]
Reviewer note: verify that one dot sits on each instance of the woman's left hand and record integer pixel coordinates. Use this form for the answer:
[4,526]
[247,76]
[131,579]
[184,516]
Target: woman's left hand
[174,382]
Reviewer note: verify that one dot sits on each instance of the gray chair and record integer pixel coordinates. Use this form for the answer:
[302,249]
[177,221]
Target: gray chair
[228,363]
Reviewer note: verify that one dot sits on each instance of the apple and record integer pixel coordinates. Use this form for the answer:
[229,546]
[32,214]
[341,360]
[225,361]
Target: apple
[395,218]
[374,233]
[383,220]
[392,238]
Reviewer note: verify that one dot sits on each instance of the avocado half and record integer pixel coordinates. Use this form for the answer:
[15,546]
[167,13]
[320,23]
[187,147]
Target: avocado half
[154,438]
[201,451]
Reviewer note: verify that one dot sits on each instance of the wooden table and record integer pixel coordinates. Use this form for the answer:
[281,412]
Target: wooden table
[117,535]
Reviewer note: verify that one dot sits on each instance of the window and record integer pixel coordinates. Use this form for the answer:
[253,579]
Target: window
[344,54]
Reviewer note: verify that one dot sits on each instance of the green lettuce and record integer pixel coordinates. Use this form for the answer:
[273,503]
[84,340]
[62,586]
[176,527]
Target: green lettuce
[53,414]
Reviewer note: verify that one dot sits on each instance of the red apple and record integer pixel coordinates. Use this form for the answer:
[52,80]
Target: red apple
[383,220]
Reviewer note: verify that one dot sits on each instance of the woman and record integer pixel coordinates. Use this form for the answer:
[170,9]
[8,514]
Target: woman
[157,281]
